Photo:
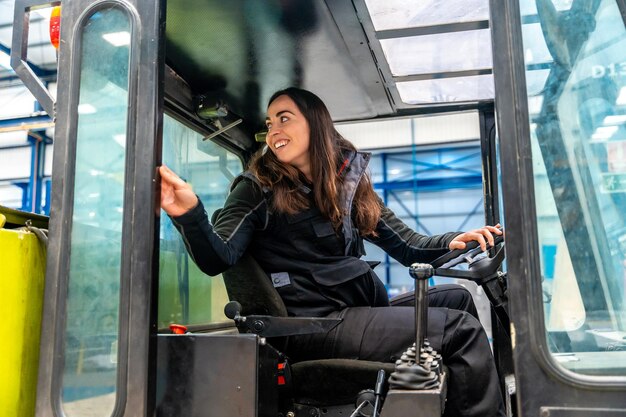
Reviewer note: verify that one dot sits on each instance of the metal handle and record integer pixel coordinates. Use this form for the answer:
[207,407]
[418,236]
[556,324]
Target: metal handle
[19,46]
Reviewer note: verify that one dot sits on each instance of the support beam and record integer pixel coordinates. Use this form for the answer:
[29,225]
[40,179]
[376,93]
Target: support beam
[432,30]
[36,121]
[432,184]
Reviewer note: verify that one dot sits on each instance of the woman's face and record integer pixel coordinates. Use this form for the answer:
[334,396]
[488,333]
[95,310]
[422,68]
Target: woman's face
[288,133]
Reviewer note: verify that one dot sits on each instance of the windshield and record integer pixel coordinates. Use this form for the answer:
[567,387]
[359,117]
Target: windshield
[576,84]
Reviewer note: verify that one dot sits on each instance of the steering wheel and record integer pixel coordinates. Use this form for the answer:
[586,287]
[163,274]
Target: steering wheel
[480,267]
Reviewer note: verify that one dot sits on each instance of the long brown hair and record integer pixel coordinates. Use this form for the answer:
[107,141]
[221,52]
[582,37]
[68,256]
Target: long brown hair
[326,148]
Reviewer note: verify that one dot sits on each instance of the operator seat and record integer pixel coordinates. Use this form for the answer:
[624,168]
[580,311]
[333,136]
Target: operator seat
[323,382]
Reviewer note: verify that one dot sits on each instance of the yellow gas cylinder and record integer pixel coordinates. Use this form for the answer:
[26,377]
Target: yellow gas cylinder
[22,270]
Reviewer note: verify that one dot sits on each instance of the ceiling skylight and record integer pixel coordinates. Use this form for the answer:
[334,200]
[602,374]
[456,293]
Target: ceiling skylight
[472,50]
[436,51]
[398,14]
[446,90]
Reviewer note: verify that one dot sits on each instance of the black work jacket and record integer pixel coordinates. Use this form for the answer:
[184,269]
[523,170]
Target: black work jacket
[314,269]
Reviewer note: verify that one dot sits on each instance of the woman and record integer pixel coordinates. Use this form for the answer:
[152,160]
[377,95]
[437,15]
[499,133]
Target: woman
[302,210]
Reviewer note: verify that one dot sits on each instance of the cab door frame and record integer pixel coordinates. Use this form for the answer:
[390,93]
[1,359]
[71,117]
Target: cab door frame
[543,387]
[139,248]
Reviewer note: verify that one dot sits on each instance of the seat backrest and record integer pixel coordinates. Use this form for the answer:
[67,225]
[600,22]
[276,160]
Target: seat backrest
[248,284]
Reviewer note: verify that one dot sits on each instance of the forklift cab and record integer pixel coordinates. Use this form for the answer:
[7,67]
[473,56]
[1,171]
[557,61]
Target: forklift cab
[186,83]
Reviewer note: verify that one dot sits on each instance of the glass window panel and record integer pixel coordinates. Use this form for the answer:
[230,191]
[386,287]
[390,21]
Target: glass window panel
[446,90]
[423,54]
[578,137]
[536,80]
[186,294]
[535,48]
[530,7]
[416,185]
[92,321]
[397,14]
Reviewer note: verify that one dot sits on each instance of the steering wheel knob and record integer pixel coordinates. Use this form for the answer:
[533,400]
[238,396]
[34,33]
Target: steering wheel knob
[421,271]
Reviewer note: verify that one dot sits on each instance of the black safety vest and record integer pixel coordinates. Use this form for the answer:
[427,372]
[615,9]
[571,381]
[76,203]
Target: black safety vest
[315,269]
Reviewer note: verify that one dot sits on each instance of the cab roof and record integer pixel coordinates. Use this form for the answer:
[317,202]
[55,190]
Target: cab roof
[366,59]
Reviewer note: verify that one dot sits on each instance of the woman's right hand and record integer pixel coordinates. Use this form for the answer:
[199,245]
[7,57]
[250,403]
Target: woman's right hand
[177,197]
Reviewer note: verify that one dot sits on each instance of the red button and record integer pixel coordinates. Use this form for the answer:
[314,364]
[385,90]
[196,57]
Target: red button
[178,328]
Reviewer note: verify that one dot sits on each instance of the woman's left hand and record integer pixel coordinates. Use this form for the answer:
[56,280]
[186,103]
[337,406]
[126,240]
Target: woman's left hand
[483,236]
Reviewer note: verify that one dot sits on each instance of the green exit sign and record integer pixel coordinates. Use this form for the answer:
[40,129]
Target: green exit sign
[614,183]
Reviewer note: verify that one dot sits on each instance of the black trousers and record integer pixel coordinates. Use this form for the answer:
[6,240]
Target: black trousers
[383,333]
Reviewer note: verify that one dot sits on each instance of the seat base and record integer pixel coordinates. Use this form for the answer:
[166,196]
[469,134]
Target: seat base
[333,382]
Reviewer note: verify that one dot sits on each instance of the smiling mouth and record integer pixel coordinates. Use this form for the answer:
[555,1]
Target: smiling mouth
[279,144]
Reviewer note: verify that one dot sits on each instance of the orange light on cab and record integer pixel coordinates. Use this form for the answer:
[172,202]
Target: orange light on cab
[55,26]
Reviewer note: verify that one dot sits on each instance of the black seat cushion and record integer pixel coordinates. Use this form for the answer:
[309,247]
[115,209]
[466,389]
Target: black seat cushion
[328,382]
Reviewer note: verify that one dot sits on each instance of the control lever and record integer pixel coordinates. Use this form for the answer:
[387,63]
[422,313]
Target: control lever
[378,391]
[418,368]
[421,273]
